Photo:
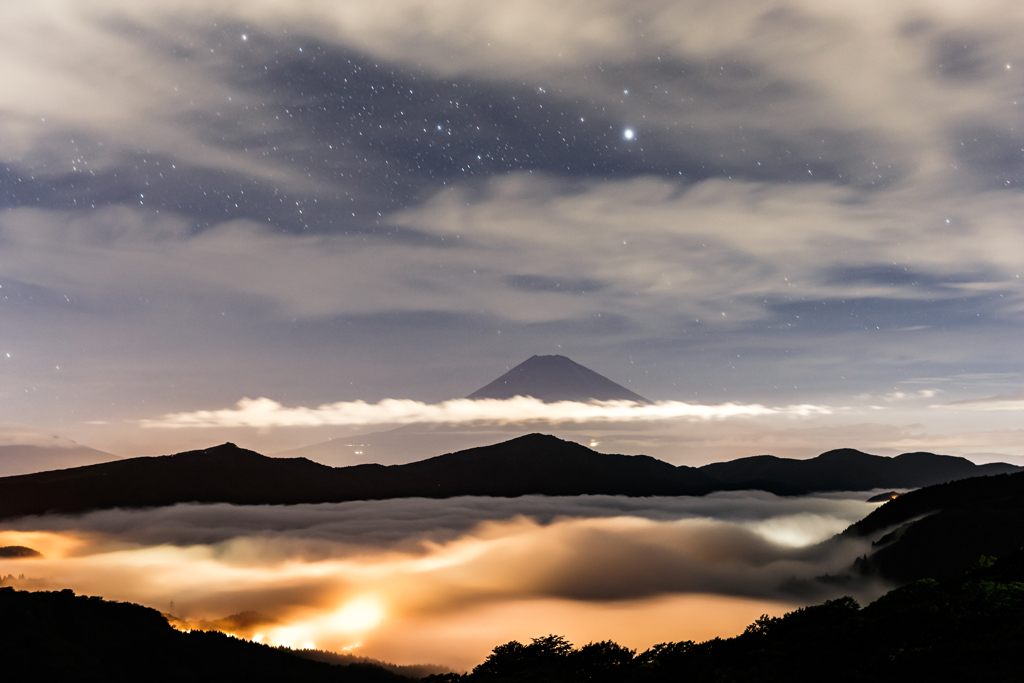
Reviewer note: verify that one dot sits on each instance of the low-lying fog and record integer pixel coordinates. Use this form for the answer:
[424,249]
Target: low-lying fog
[444,581]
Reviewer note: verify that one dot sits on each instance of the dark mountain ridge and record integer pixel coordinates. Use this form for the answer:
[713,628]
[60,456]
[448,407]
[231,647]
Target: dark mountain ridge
[847,469]
[533,464]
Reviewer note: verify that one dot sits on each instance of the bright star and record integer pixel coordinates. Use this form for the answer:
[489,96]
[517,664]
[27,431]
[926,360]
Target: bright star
[628,133]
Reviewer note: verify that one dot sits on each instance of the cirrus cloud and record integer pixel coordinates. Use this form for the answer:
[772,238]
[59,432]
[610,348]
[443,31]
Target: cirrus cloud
[1013,401]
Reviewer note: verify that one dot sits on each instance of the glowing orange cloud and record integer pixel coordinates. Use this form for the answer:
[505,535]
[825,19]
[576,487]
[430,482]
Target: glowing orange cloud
[323,575]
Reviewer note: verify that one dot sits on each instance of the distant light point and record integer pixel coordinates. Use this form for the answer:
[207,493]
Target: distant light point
[245,37]
[628,134]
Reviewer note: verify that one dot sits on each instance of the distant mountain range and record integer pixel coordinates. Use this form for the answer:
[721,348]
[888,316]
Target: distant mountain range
[531,464]
[22,459]
[846,469]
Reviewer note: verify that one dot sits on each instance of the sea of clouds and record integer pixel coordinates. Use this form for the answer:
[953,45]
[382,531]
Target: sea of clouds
[387,577]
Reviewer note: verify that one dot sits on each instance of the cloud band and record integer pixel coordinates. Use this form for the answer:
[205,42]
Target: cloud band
[266,412]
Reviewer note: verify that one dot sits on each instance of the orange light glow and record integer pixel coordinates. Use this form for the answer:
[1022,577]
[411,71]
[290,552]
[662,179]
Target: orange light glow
[635,580]
[51,545]
[359,615]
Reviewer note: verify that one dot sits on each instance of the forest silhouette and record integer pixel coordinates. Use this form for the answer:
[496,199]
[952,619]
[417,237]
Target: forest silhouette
[963,629]
[953,629]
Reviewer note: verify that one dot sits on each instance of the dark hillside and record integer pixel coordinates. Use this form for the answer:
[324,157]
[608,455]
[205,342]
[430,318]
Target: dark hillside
[64,637]
[941,530]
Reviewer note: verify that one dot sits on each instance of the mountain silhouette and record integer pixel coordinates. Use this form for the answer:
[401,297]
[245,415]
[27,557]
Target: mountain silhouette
[547,378]
[555,378]
[940,531]
[847,469]
[533,464]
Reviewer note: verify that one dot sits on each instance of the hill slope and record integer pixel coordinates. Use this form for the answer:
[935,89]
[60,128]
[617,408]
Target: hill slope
[942,530]
[61,636]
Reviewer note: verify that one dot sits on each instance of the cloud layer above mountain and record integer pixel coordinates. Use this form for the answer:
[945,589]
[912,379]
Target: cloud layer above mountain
[265,412]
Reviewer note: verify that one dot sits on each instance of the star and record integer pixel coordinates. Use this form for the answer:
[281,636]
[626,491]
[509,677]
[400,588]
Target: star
[628,134]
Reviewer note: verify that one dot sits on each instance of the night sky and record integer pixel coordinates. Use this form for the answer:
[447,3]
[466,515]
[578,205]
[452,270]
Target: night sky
[770,203]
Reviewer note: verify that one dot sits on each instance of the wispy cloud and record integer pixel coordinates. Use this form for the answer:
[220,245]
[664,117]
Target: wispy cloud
[266,412]
[901,395]
[1001,402]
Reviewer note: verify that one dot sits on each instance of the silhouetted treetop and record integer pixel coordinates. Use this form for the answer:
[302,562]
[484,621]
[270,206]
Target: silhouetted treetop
[961,629]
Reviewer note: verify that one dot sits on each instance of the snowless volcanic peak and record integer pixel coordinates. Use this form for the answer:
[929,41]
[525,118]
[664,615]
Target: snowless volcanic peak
[555,378]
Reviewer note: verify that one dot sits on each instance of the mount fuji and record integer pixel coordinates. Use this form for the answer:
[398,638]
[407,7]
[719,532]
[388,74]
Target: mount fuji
[547,378]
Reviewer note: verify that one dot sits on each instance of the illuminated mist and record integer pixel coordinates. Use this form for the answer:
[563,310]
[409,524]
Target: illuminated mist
[265,412]
[444,581]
